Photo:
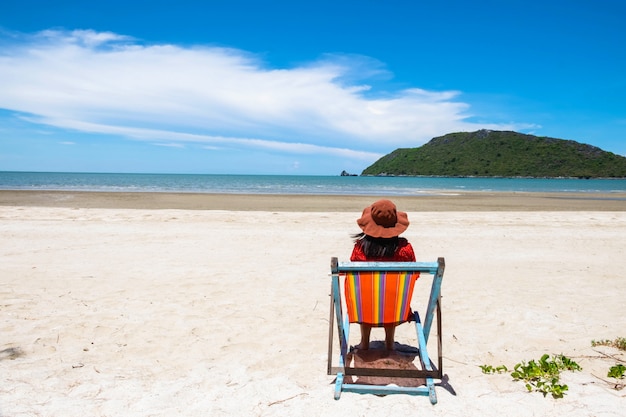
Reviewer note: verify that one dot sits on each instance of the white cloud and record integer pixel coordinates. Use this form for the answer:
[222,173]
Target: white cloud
[102,82]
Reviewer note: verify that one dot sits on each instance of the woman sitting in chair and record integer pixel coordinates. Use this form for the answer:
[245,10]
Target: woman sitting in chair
[381,224]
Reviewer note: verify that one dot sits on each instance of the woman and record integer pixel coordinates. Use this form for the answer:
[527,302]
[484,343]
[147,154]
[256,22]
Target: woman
[381,224]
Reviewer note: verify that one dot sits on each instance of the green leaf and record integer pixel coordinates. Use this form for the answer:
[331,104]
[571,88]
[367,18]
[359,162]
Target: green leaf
[617,371]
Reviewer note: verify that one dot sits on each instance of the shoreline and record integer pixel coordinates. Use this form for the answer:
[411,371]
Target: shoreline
[451,201]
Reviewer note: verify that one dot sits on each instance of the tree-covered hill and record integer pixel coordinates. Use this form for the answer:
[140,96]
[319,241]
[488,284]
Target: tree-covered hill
[489,153]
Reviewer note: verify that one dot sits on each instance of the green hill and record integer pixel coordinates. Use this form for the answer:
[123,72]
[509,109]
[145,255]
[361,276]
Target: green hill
[488,153]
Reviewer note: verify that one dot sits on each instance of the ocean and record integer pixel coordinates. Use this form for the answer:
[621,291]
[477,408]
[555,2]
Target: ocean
[296,184]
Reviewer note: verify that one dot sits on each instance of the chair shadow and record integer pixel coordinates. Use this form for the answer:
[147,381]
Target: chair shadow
[401,358]
[377,357]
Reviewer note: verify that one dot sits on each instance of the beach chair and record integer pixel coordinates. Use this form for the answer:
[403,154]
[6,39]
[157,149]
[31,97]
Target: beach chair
[379,293]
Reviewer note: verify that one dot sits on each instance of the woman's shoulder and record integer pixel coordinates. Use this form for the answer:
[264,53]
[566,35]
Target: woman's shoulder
[405,251]
[402,241]
[357,252]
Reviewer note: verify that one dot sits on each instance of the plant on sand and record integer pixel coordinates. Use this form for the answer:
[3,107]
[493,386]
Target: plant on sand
[540,376]
[619,343]
[544,375]
[488,369]
[619,369]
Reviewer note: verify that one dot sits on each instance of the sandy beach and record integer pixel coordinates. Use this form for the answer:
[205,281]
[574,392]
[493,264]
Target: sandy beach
[121,304]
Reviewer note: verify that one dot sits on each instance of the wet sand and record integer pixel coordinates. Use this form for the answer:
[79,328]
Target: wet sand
[448,201]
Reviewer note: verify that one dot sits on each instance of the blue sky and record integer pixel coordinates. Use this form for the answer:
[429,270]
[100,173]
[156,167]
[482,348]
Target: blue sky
[297,87]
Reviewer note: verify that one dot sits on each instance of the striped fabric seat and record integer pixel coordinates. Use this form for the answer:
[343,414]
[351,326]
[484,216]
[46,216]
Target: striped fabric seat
[378,298]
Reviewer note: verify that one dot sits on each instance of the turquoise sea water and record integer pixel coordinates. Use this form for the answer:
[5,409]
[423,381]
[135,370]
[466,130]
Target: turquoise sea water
[294,184]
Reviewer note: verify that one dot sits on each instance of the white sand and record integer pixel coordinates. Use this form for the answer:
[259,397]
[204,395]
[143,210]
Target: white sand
[120,312]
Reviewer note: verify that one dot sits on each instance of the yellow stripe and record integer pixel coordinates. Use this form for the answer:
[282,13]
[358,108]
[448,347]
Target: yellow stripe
[352,287]
[377,281]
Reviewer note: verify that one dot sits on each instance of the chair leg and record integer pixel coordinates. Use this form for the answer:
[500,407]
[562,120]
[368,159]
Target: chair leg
[338,385]
[425,359]
[432,395]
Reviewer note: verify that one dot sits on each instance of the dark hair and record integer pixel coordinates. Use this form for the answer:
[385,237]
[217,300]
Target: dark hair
[377,247]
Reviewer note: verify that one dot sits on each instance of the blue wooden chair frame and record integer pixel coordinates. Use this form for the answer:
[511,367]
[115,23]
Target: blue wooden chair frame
[429,370]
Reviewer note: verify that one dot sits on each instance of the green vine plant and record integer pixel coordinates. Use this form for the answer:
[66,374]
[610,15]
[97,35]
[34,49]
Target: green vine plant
[488,369]
[619,343]
[618,371]
[542,375]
